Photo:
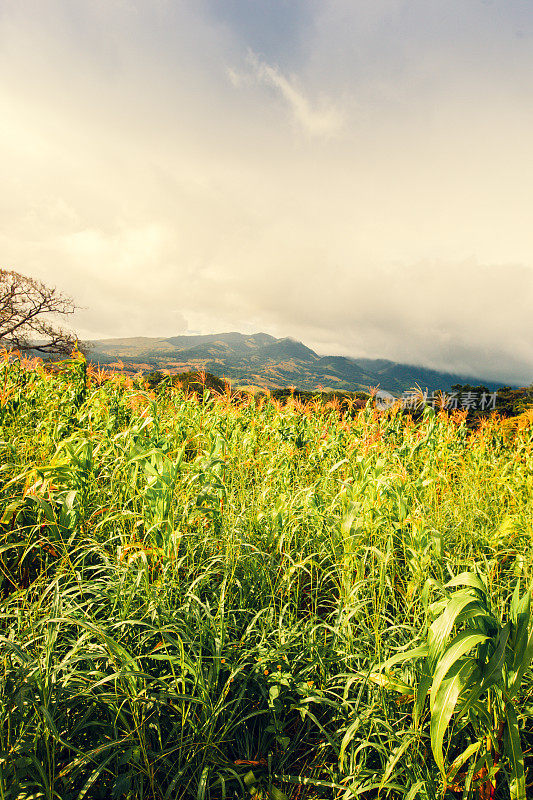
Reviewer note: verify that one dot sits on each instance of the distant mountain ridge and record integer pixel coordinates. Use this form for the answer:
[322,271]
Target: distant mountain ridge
[262,360]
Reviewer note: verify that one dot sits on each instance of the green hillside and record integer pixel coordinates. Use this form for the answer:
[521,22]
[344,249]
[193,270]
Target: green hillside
[263,360]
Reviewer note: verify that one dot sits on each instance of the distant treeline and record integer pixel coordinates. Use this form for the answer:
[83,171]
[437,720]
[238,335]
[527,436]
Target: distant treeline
[199,382]
[188,381]
[509,402]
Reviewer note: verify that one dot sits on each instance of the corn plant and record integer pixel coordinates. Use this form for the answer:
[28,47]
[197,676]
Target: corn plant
[472,667]
[194,593]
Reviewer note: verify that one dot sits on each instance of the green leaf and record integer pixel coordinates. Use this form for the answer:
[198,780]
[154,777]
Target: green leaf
[521,645]
[521,620]
[408,655]
[346,739]
[490,674]
[517,672]
[388,682]
[393,760]
[424,685]
[249,780]
[202,784]
[468,579]
[414,790]
[440,630]
[460,645]
[277,794]
[513,749]
[93,776]
[10,511]
[444,706]
[515,600]
[462,759]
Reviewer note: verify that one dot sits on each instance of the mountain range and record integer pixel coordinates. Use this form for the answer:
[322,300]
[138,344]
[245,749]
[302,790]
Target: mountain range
[262,360]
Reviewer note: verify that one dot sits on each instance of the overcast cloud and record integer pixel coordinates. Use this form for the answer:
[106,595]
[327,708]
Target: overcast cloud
[355,175]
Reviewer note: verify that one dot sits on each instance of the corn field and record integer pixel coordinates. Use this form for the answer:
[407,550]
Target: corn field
[209,597]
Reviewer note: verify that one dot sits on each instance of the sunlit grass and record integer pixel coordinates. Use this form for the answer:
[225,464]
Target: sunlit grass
[193,590]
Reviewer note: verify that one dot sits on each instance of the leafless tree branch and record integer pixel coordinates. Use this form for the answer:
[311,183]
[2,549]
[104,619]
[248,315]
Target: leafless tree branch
[23,303]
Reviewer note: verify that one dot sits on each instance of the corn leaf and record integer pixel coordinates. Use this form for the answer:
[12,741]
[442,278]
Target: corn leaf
[444,706]
[517,785]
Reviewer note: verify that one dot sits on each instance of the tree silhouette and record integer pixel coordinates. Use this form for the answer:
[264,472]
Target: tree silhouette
[26,306]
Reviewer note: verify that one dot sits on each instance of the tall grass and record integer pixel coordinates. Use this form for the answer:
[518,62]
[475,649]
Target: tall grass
[197,594]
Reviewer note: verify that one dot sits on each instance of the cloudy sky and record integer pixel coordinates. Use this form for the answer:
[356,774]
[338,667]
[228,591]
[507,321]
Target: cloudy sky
[354,173]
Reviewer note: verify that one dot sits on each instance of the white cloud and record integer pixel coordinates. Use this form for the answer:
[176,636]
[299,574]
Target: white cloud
[321,119]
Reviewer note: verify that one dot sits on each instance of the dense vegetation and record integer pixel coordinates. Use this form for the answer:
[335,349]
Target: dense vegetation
[510,402]
[198,382]
[218,597]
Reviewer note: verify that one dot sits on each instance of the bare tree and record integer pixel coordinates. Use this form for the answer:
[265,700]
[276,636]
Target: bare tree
[25,309]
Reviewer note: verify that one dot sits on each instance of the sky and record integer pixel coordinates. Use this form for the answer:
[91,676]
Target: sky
[355,174]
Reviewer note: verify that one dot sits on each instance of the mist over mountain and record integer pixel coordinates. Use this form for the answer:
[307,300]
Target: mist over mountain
[262,360]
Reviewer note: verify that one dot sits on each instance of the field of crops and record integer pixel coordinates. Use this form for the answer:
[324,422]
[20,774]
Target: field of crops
[217,598]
